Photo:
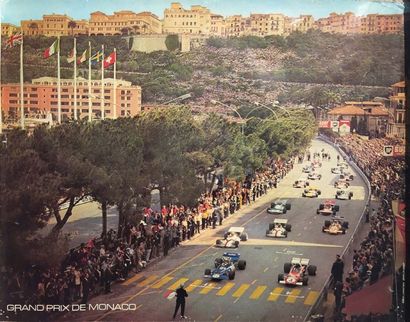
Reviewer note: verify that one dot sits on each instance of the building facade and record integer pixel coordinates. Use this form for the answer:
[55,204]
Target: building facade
[40,98]
[178,20]
[55,25]
[218,26]
[382,24]
[124,22]
[346,23]
[8,29]
[267,24]
[397,111]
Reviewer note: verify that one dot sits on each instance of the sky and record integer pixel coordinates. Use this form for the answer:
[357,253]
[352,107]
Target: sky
[13,11]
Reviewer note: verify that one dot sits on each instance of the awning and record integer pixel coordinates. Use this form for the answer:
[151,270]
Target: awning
[376,298]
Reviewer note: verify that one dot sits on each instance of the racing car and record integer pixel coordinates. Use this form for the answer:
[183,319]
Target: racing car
[301,183]
[343,194]
[311,192]
[296,272]
[307,169]
[225,267]
[343,164]
[327,208]
[335,226]
[279,228]
[314,176]
[279,207]
[337,170]
[341,184]
[232,238]
[346,175]
[316,164]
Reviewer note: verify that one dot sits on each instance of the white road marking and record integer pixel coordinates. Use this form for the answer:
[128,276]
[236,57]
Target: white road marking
[236,300]
[288,294]
[266,269]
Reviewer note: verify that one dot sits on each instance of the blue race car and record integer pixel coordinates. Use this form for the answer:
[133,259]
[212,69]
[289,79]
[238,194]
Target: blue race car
[225,267]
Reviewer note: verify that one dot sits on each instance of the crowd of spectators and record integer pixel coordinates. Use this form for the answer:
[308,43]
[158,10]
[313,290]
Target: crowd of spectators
[374,259]
[93,266]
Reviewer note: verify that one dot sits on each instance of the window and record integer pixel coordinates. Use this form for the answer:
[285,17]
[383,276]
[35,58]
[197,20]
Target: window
[13,95]
[64,90]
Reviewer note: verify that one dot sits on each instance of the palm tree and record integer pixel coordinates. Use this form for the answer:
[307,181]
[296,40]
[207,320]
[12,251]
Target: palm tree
[72,24]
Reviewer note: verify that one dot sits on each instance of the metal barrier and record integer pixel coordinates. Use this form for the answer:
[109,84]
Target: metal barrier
[315,308]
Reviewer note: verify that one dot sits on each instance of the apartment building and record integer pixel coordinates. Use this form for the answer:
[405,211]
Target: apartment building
[235,26]
[124,22]
[178,20]
[267,24]
[8,29]
[218,26]
[397,111]
[55,25]
[40,97]
[382,24]
[347,23]
[301,24]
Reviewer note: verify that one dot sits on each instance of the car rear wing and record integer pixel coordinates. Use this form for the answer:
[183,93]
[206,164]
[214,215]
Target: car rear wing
[301,261]
[234,256]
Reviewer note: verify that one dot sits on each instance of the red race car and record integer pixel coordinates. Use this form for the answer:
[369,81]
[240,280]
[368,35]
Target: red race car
[327,208]
[296,272]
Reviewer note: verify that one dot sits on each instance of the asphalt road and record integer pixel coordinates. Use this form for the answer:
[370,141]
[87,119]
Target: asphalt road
[254,294]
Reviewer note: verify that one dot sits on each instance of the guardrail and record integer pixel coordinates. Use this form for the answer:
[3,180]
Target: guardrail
[315,308]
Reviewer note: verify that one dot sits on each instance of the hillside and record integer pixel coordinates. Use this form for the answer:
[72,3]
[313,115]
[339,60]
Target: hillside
[314,68]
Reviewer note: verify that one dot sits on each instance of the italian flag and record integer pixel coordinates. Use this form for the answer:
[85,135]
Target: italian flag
[51,50]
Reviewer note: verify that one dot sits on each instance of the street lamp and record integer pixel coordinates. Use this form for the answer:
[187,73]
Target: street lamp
[180,98]
[267,107]
[232,109]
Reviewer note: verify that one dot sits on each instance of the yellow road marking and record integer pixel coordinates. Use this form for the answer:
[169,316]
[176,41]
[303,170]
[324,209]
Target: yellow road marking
[225,289]
[274,295]
[291,298]
[207,288]
[242,289]
[311,298]
[148,280]
[258,292]
[193,285]
[178,283]
[218,318]
[133,279]
[162,282]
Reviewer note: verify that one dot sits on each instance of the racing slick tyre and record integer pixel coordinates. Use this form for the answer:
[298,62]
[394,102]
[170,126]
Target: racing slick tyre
[306,184]
[208,271]
[323,229]
[225,235]
[350,197]
[319,177]
[336,208]
[318,211]
[319,192]
[343,231]
[285,234]
[236,243]
[305,280]
[284,211]
[288,206]
[345,225]
[311,270]
[218,262]
[327,223]
[267,232]
[321,206]
[287,267]
[241,264]
[271,226]
[231,275]
[244,237]
[218,242]
[281,277]
[334,213]
[288,227]
[303,194]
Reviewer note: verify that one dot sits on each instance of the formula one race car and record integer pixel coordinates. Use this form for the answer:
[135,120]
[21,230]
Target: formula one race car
[342,184]
[311,192]
[301,183]
[328,208]
[316,164]
[296,272]
[279,228]
[232,238]
[343,194]
[346,175]
[279,207]
[337,170]
[307,169]
[314,176]
[335,226]
[343,164]
[225,267]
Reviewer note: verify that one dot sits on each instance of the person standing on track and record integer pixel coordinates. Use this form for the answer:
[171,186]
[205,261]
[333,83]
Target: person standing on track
[181,294]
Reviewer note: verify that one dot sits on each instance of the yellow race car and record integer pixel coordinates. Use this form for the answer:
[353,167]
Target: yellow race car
[311,192]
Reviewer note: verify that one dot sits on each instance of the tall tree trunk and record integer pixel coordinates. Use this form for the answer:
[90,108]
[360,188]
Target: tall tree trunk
[212,182]
[206,180]
[104,219]
[55,231]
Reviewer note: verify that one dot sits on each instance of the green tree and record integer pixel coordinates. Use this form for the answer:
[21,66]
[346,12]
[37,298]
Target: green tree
[172,42]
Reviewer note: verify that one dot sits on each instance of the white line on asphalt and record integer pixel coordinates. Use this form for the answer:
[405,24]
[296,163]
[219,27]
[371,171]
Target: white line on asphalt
[236,300]
[266,269]
[253,282]
[206,286]
[300,234]
[298,296]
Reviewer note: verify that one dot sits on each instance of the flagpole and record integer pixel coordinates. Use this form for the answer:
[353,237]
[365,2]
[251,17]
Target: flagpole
[58,82]
[75,78]
[21,85]
[115,83]
[102,83]
[89,83]
[1,105]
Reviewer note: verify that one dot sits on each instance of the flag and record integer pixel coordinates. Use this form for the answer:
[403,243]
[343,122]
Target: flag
[70,57]
[14,40]
[51,50]
[97,57]
[84,57]
[109,60]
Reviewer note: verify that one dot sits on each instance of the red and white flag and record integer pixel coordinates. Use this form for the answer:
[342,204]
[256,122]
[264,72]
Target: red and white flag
[51,50]
[109,60]
[14,40]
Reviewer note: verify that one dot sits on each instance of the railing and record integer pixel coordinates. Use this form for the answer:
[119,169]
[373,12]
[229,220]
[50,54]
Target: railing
[315,308]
